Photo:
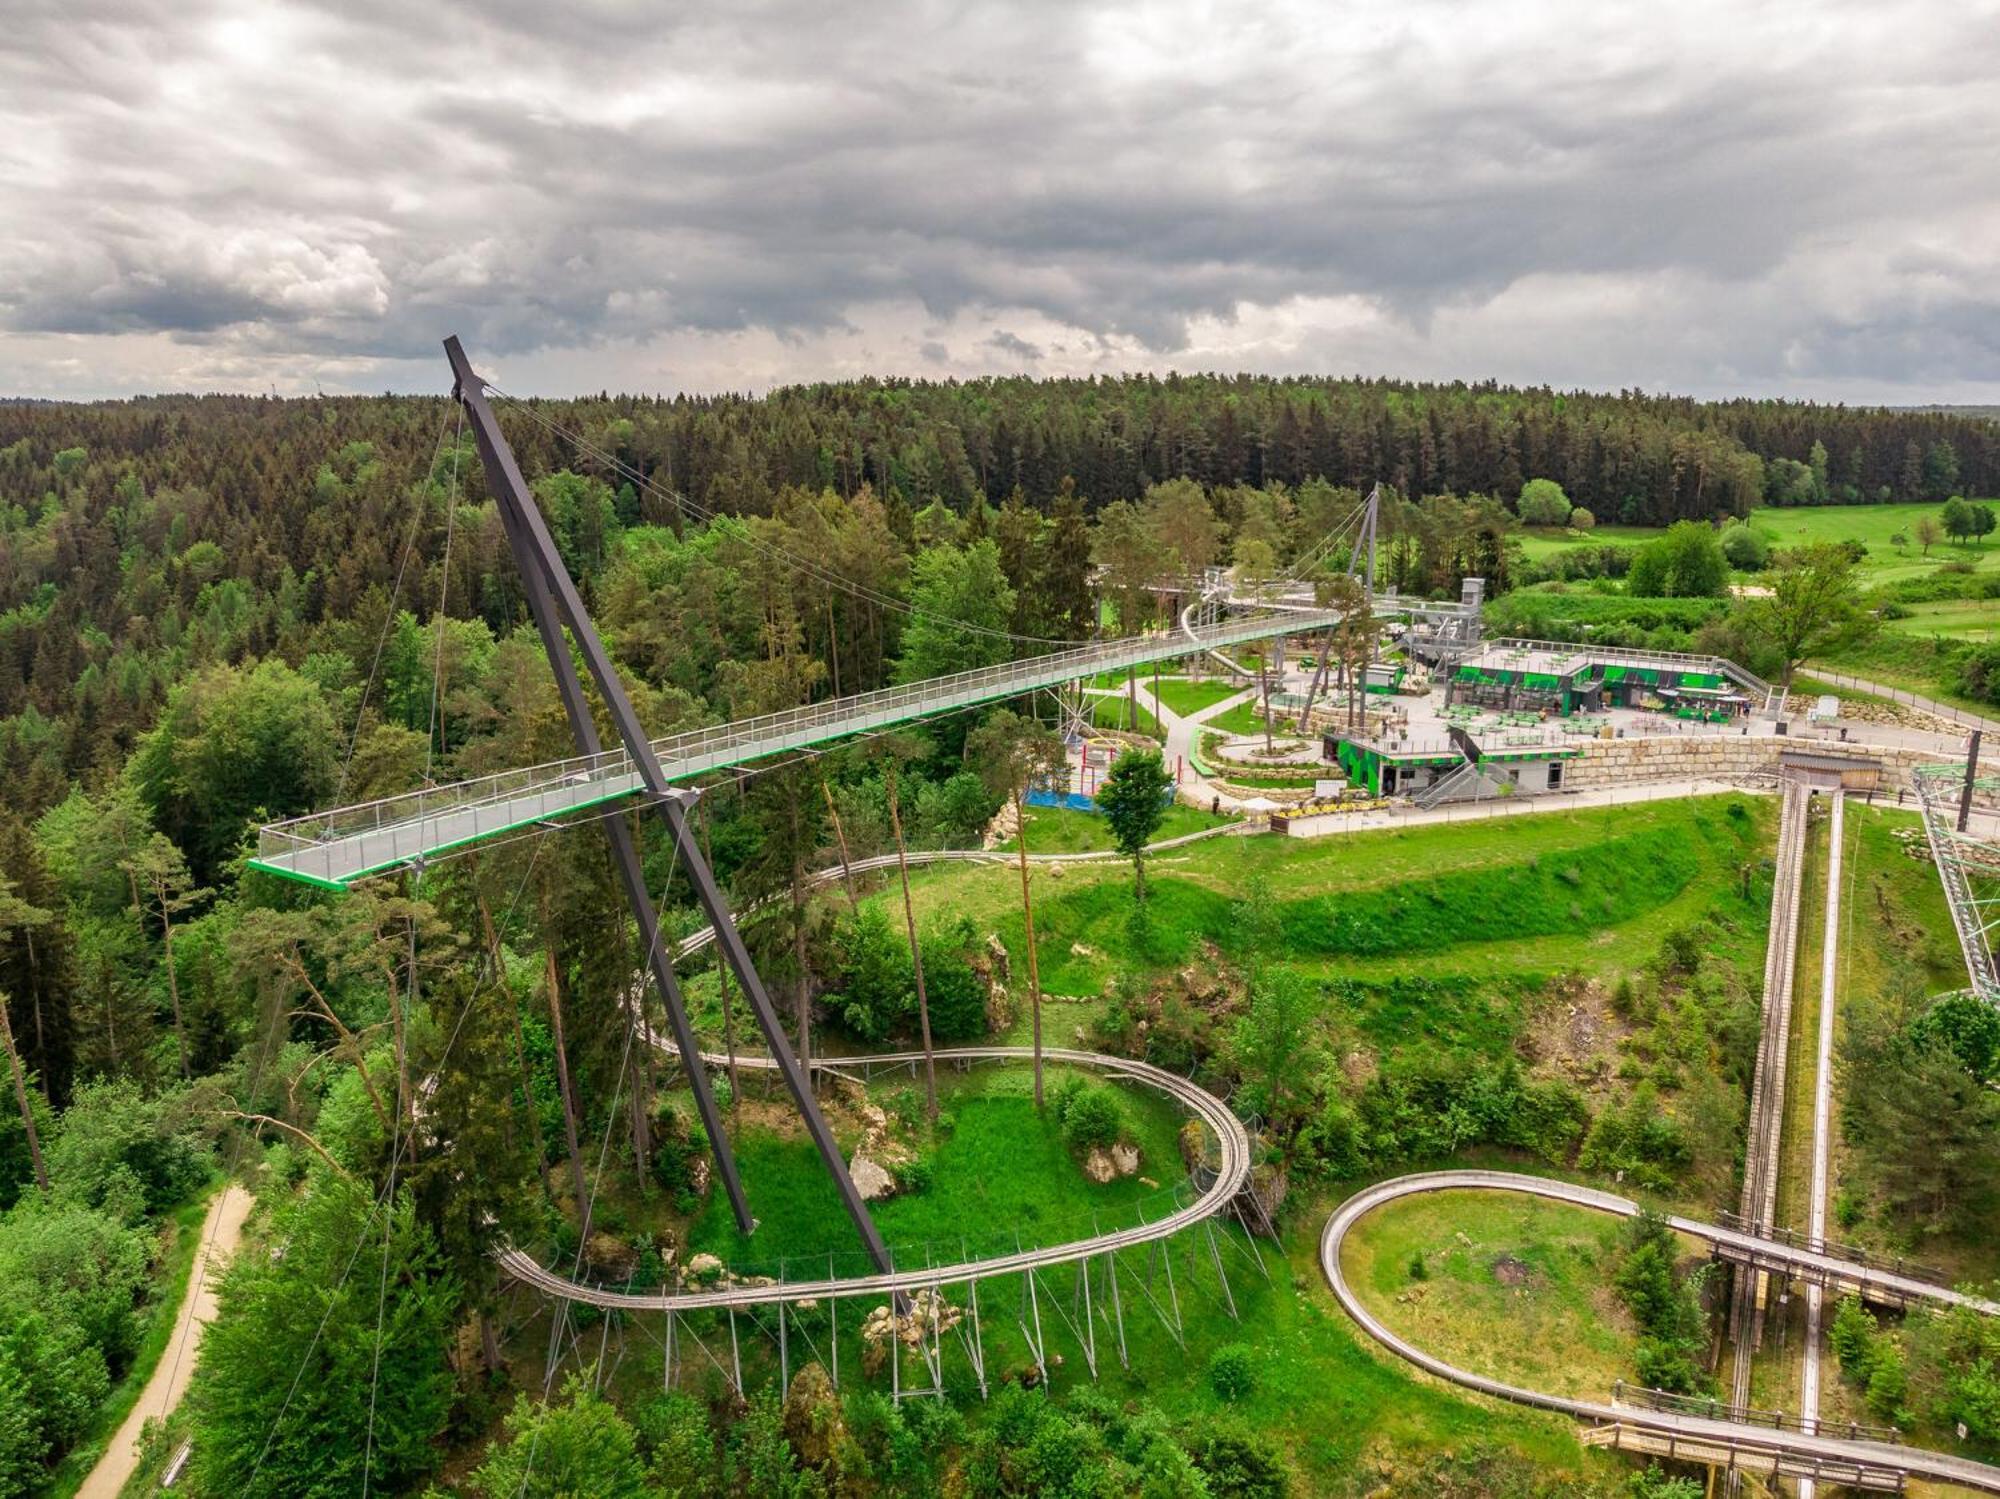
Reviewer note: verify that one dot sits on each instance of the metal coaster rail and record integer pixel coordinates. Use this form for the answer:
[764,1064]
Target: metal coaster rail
[1794,1453]
[1232,1172]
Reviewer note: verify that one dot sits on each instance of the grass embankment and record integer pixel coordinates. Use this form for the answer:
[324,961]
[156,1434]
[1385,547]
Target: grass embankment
[1064,830]
[1897,946]
[172,1283]
[1591,891]
[1001,1170]
[1513,1287]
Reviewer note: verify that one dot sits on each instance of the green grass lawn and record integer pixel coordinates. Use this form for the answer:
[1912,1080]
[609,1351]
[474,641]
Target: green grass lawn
[1184,697]
[1872,526]
[1117,713]
[1964,619]
[1244,718]
[1514,1287]
[1063,830]
[1538,542]
[1000,1171]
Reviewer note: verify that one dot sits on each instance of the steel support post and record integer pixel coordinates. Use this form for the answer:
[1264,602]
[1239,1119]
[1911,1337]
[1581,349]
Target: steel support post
[1117,1307]
[978,1349]
[1971,775]
[550,596]
[1222,1275]
[735,1355]
[544,574]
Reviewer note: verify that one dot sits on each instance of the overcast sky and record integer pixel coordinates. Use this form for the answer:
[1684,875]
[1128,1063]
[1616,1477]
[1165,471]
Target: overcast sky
[1776,197]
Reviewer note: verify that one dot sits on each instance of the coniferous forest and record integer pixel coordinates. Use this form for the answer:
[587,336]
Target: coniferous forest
[220,611]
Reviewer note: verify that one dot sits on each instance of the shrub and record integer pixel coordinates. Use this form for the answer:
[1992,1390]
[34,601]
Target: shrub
[1852,1336]
[1091,1115]
[1237,1463]
[1581,519]
[1888,1383]
[1543,503]
[1687,562]
[1745,548]
[1231,1372]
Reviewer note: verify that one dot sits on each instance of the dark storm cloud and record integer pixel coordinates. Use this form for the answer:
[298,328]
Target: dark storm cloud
[348,180]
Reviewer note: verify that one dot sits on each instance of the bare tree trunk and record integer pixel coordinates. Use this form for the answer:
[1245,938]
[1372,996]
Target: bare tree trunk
[916,950]
[840,840]
[568,1096]
[642,1085]
[173,986]
[398,1008]
[21,1098]
[722,991]
[1028,923]
[35,992]
[803,1000]
[832,644]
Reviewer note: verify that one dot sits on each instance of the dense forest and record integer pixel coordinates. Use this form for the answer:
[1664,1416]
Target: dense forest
[222,610]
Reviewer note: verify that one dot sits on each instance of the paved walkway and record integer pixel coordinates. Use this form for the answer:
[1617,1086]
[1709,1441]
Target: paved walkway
[1899,695]
[220,1232]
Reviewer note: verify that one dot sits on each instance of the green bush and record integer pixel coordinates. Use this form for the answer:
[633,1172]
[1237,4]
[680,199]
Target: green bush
[1665,1305]
[1091,1115]
[1232,1371]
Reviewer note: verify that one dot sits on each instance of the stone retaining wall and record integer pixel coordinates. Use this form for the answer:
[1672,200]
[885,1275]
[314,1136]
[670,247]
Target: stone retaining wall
[1674,757]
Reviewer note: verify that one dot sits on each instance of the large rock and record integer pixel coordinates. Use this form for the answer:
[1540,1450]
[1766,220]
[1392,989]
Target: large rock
[611,1255]
[1098,1167]
[1125,1159]
[813,1421]
[704,1269]
[996,955]
[871,1178]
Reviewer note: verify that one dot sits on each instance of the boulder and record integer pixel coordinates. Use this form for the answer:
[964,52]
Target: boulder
[612,1255]
[704,1269]
[996,954]
[813,1422]
[1098,1167]
[1125,1159]
[871,1178]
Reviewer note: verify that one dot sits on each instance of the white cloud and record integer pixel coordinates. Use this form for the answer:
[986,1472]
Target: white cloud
[1795,198]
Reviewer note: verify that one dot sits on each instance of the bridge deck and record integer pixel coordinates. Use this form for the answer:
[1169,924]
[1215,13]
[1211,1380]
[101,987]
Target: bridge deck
[333,849]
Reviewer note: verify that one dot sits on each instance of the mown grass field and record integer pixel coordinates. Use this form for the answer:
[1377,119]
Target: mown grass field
[1872,526]
[1514,1287]
[1064,830]
[1538,542]
[1184,697]
[1963,619]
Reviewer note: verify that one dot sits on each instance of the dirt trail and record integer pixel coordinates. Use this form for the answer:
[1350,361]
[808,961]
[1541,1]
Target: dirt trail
[220,1231]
